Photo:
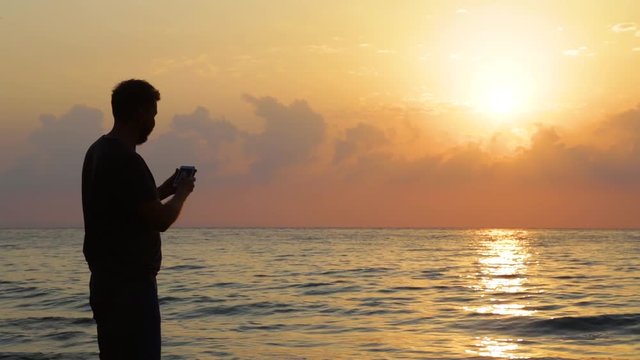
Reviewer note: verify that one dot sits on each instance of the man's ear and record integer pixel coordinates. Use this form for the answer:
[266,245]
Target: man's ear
[140,111]
[143,109]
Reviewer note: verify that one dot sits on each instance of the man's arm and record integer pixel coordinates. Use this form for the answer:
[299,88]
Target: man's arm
[167,189]
[161,216]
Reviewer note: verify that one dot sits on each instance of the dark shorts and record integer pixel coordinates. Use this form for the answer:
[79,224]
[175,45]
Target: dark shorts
[128,317]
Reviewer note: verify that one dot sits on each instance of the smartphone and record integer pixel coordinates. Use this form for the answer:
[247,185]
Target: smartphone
[185,171]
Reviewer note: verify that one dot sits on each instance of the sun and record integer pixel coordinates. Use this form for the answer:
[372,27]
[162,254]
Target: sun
[501,89]
[501,100]
[502,63]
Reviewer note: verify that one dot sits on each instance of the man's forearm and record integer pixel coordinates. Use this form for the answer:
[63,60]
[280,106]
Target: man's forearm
[164,193]
[170,211]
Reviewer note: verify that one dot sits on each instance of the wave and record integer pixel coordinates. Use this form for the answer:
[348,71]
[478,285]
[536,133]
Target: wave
[254,309]
[193,299]
[312,284]
[432,274]
[622,324]
[333,290]
[43,356]
[47,322]
[23,291]
[184,267]
[366,270]
[597,323]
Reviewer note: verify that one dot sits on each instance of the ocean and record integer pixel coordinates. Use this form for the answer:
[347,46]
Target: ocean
[344,294]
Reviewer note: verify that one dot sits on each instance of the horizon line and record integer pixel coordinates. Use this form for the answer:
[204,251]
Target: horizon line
[212,227]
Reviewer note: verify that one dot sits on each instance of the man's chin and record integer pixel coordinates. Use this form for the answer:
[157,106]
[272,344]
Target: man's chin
[142,140]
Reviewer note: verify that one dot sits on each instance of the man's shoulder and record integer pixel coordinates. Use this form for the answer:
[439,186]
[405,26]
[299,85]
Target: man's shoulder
[110,148]
[105,142]
[108,155]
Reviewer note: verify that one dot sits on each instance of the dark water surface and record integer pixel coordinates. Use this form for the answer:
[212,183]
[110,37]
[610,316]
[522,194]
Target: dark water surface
[344,294]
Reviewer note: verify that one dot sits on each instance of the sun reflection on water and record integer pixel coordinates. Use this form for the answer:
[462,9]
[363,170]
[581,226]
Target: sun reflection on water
[502,275]
[502,348]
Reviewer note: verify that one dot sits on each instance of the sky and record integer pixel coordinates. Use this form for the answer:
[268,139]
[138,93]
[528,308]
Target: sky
[335,114]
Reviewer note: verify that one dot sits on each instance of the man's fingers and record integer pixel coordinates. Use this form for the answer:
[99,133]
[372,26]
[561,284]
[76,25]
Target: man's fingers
[188,182]
[186,185]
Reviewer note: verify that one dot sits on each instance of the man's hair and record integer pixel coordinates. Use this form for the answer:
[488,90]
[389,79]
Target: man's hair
[129,96]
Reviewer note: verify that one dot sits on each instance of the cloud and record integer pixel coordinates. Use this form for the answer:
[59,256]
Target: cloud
[548,160]
[624,27]
[58,150]
[196,139]
[368,46]
[581,51]
[622,129]
[48,177]
[291,133]
[200,65]
[296,172]
[290,136]
[360,139]
[549,182]
[322,49]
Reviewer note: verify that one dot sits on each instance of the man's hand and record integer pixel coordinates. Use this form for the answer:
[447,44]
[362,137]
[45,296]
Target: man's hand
[184,187]
[167,189]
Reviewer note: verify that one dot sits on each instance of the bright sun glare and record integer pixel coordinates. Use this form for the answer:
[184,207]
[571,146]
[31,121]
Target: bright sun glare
[501,100]
[501,89]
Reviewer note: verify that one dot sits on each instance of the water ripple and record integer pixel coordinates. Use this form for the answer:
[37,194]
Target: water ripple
[344,293]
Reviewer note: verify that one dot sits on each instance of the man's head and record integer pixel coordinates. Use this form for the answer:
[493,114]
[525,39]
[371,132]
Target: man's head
[134,104]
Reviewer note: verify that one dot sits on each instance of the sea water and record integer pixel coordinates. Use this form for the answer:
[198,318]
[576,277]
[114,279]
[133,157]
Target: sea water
[344,294]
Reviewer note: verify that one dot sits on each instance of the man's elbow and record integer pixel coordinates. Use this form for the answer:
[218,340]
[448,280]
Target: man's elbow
[164,222]
[160,216]
[158,221]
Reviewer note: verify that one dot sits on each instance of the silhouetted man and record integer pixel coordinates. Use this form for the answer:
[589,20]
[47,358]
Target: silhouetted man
[123,218]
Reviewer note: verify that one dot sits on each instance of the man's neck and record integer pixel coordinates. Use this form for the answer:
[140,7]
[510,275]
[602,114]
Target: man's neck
[124,134]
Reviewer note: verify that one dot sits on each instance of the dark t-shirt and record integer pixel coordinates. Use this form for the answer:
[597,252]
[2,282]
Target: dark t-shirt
[118,242]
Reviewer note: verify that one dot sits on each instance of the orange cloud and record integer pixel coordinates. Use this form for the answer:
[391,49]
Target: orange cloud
[42,188]
[296,173]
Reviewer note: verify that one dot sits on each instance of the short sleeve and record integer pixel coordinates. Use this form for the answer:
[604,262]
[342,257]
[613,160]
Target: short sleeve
[136,182]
